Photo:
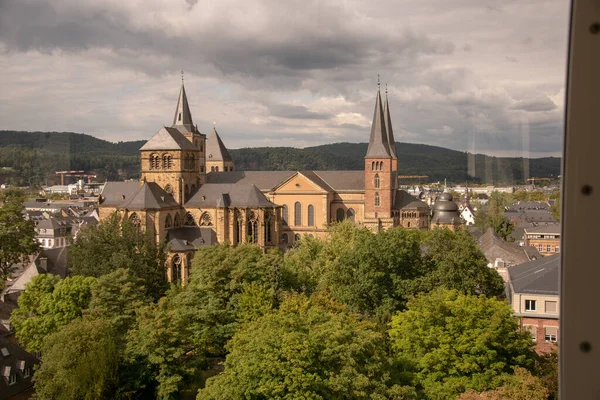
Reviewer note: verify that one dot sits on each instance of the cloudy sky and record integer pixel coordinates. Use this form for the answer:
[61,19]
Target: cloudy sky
[473,75]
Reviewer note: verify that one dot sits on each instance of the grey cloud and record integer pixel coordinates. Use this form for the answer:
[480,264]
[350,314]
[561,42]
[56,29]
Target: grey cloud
[535,105]
[296,112]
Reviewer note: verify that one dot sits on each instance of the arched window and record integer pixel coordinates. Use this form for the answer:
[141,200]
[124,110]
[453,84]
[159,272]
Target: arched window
[177,221]
[284,238]
[186,192]
[154,161]
[377,181]
[252,231]
[377,200]
[297,214]
[408,225]
[168,221]
[193,190]
[297,237]
[169,189]
[217,168]
[340,215]
[205,220]
[351,214]
[212,169]
[311,215]
[135,220]
[188,220]
[167,161]
[372,165]
[201,145]
[284,214]
[268,223]
[176,269]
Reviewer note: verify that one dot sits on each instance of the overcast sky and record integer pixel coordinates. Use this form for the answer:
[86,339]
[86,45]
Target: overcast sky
[474,75]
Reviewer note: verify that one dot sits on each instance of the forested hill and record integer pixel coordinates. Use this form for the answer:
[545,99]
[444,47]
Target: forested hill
[35,156]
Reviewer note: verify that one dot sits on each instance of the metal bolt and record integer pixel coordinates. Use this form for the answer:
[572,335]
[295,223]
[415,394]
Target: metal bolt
[585,347]
[586,190]
[595,28]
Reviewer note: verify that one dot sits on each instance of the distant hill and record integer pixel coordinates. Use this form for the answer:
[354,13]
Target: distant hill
[36,155]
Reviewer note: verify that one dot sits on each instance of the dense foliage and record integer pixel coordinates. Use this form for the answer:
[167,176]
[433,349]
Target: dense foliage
[17,235]
[311,323]
[35,156]
[454,342]
[114,244]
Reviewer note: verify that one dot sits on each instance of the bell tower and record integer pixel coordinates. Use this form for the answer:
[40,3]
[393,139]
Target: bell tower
[380,172]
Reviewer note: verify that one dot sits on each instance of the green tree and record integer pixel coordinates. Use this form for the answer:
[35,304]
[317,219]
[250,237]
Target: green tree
[520,386]
[118,244]
[454,342]
[47,304]
[308,348]
[115,298]
[80,362]
[455,261]
[498,222]
[547,371]
[17,235]
[176,337]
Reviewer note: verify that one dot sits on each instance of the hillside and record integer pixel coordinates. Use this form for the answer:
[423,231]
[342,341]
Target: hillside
[35,156]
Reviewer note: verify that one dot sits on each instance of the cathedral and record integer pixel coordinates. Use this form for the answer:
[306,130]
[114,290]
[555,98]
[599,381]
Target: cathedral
[190,194]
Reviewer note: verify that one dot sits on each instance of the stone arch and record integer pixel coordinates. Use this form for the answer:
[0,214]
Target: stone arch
[168,221]
[311,215]
[154,161]
[188,220]
[340,215]
[168,189]
[177,221]
[205,219]
[284,238]
[297,214]
[176,269]
[167,161]
[135,220]
[351,214]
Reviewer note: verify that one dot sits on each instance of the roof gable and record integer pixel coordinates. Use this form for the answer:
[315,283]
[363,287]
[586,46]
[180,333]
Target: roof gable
[229,195]
[150,196]
[168,139]
[215,149]
[305,181]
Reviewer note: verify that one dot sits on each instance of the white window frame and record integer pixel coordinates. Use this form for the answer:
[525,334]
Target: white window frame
[531,302]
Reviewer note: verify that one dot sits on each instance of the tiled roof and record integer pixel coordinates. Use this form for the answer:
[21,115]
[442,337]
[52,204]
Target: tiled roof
[189,238]
[343,180]
[115,193]
[150,196]
[168,139]
[540,276]
[407,201]
[494,247]
[264,180]
[15,362]
[238,195]
[215,149]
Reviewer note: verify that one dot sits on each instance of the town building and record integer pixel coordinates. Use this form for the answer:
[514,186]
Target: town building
[16,369]
[533,295]
[545,238]
[445,213]
[190,194]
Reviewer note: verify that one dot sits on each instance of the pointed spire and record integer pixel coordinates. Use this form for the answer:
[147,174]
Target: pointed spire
[215,148]
[183,116]
[378,142]
[388,127]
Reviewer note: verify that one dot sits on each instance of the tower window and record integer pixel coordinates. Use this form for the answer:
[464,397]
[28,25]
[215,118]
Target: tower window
[179,116]
[377,200]
[377,181]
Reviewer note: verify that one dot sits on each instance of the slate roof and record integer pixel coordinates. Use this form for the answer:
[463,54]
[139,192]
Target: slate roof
[343,180]
[186,116]
[150,196]
[264,180]
[378,141]
[494,247]
[16,360]
[388,128]
[168,139]
[540,276]
[115,193]
[190,238]
[215,149]
[315,178]
[406,200]
[553,229]
[236,195]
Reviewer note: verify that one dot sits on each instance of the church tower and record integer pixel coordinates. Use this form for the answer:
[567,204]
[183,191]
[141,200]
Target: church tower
[174,157]
[379,173]
[390,137]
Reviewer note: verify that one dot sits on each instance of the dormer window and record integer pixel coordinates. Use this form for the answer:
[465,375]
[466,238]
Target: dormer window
[179,117]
